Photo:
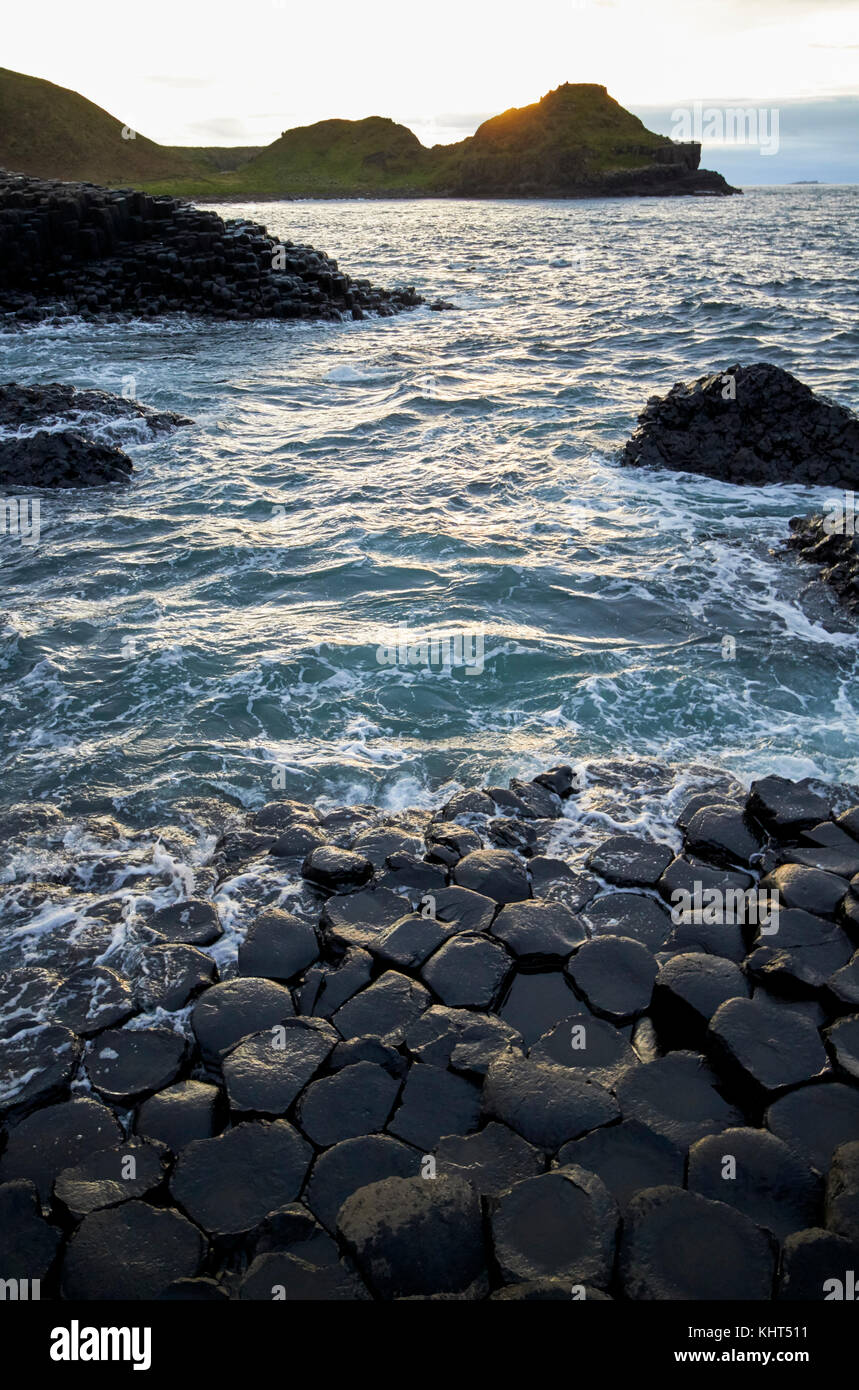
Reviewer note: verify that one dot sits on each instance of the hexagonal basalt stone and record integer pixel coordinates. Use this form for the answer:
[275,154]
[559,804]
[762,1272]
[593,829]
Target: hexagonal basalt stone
[229,1184]
[228,1012]
[688,990]
[413,1237]
[385,1008]
[762,1050]
[411,941]
[37,1066]
[842,987]
[131,1251]
[352,1164]
[615,975]
[369,1049]
[720,834]
[815,1265]
[811,890]
[548,1291]
[539,931]
[561,1224]
[676,1096]
[182,1113]
[542,800]
[414,878]
[468,970]
[57,1137]
[534,1003]
[799,958]
[266,1072]
[589,1045]
[337,870]
[168,976]
[193,922]
[815,1119]
[554,881]
[361,918]
[278,815]
[629,914]
[448,842]
[287,1277]
[842,1192]
[492,1160]
[462,909]
[327,987]
[435,1102]
[677,1245]
[278,946]
[28,1244]
[547,1105]
[630,861]
[134,1168]
[442,1033]
[91,998]
[842,1039]
[297,840]
[124,1064]
[494,873]
[760,1176]
[352,1102]
[784,808]
[627,1157]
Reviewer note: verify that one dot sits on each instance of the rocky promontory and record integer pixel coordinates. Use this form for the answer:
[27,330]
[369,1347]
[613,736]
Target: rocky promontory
[76,248]
[754,424]
[77,440]
[830,541]
[503,1050]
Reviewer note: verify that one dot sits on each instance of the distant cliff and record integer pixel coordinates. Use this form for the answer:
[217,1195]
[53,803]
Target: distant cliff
[576,142]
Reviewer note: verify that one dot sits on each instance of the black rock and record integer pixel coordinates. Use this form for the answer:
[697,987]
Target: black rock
[91,998]
[434,1102]
[463,910]
[36,1067]
[542,801]
[414,878]
[799,958]
[288,1277]
[57,1137]
[785,808]
[762,1050]
[410,941]
[535,1002]
[814,1266]
[688,990]
[688,874]
[468,970]
[811,890]
[358,920]
[195,1291]
[760,1176]
[28,1244]
[815,1119]
[300,839]
[548,1291]
[326,987]
[126,1064]
[383,1009]
[547,1105]
[229,1184]
[195,922]
[132,1251]
[676,1096]
[167,977]
[556,882]
[539,931]
[720,834]
[442,1034]
[491,1160]
[842,1192]
[447,842]
[351,1103]
[468,803]
[508,833]
[629,914]
[61,458]
[133,1168]
[413,1237]
[495,873]
[280,815]
[561,780]
[589,1045]
[842,987]
[267,1071]
[338,870]
[630,861]
[278,946]
[352,1164]
[749,424]
[561,1224]
[614,975]
[368,1049]
[627,1157]
[178,1115]
[228,1012]
[678,1245]
[842,1040]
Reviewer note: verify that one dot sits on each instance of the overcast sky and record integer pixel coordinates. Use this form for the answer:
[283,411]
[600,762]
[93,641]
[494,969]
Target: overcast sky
[186,72]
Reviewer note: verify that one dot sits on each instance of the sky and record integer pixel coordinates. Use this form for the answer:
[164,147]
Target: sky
[186,72]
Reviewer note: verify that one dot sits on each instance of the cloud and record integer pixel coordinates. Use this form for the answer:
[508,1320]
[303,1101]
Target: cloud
[180,82]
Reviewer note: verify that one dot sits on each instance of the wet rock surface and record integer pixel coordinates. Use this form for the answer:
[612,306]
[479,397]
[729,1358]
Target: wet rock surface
[453,1087]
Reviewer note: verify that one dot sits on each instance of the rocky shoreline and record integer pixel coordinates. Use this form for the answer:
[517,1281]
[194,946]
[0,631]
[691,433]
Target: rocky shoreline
[76,248]
[499,1050]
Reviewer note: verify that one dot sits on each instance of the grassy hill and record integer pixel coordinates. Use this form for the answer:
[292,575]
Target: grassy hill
[577,140]
[53,133]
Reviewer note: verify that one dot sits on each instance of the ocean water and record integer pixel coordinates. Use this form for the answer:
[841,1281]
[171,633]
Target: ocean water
[213,629]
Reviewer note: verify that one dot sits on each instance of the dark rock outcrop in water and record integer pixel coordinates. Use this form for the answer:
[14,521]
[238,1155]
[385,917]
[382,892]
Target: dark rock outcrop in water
[75,248]
[754,424]
[336,1124]
[814,539]
[66,453]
